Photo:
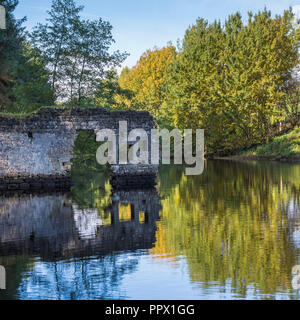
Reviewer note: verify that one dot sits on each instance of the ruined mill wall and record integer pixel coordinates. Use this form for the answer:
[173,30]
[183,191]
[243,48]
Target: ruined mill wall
[36,150]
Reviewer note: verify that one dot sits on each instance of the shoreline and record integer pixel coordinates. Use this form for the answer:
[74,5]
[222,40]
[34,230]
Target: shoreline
[259,158]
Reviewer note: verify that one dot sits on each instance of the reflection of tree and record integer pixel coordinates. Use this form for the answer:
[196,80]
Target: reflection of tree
[91,186]
[84,279]
[232,223]
[92,190]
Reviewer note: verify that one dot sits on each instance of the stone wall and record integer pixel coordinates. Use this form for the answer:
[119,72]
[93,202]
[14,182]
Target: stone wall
[39,147]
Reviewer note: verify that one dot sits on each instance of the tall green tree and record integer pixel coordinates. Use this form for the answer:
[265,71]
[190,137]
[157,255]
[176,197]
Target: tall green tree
[90,57]
[31,85]
[12,37]
[231,79]
[109,90]
[54,39]
[77,50]
[11,40]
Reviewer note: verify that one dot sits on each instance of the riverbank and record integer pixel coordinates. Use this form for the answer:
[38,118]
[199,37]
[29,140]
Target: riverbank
[285,148]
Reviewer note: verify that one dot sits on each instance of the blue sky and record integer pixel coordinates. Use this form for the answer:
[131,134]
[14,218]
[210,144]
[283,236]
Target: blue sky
[142,24]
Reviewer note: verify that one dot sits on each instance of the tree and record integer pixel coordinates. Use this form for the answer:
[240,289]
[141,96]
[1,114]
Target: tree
[32,88]
[4,81]
[109,91]
[147,80]
[91,58]
[53,39]
[11,38]
[10,49]
[231,80]
[76,50]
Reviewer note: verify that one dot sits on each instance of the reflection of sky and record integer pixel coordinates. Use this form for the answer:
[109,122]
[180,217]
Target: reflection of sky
[296,237]
[87,221]
[125,276]
[294,213]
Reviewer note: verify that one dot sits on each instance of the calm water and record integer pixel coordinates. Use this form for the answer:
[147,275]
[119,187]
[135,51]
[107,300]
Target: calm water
[231,233]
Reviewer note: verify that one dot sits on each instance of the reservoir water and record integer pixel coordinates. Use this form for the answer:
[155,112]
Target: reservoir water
[231,233]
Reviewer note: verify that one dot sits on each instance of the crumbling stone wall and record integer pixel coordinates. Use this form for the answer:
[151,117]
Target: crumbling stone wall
[36,150]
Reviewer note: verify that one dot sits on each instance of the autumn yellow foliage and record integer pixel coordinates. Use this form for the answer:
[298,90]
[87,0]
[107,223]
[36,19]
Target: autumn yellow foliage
[147,80]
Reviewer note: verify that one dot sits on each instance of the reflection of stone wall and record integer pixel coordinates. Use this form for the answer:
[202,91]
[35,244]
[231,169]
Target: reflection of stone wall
[142,177]
[146,201]
[42,144]
[31,222]
[53,227]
